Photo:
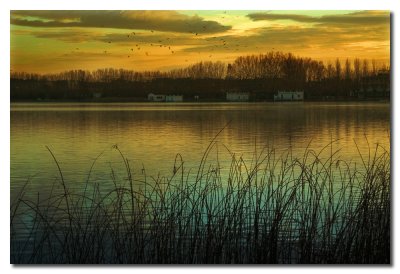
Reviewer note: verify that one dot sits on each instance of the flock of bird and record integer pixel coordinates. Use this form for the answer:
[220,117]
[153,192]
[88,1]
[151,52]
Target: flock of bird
[137,47]
[217,43]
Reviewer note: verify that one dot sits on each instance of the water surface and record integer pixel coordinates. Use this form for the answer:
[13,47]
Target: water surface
[151,135]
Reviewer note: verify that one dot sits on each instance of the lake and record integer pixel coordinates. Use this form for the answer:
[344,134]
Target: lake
[151,135]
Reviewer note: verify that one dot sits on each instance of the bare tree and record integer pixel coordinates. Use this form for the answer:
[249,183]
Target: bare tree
[357,69]
[365,68]
[374,67]
[338,69]
[330,71]
[347,69]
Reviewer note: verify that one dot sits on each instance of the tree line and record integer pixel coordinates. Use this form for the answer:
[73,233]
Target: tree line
[263,73]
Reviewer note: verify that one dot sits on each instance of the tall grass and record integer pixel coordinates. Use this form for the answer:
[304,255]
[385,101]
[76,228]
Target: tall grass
[277,209]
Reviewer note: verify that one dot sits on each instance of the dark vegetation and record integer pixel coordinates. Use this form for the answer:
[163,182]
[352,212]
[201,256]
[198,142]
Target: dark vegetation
[277,209]
[260,75]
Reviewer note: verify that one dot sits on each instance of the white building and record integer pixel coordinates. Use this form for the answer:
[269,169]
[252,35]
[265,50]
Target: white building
[174,98]
[156,97]
[289,96]
[237,96]
[97,95]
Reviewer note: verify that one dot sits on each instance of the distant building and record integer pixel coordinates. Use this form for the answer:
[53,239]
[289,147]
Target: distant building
[289,96]
[156,97]
[164,98]
[237,96]
[174,98]
[377,86]
[97,95]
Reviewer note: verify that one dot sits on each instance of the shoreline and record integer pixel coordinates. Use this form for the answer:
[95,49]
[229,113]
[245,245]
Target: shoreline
[197,102]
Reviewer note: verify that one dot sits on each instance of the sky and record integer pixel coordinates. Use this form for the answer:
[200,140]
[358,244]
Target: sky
[54,41]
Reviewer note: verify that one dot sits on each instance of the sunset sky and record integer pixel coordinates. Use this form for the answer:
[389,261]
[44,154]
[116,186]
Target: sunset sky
[54,41]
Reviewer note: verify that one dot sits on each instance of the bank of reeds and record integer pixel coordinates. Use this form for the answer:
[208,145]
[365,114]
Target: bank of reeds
[274,210]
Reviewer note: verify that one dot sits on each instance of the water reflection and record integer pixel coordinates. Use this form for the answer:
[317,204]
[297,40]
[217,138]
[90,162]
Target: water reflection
[150,135]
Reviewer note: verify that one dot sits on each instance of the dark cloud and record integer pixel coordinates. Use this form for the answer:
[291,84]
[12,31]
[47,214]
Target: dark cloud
[80,56]
[295,38]
[127,38]
[146,38]
[266,16]
[66,36]
[170,21]
[354,18]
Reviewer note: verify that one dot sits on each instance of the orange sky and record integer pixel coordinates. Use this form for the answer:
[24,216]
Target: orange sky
[53,41]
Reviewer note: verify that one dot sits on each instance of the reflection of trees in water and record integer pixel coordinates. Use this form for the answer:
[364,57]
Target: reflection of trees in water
[294,120]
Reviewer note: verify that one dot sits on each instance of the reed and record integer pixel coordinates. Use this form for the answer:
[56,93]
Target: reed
[278,209]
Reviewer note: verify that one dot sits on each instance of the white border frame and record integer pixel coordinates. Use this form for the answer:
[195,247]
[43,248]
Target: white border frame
[7,5]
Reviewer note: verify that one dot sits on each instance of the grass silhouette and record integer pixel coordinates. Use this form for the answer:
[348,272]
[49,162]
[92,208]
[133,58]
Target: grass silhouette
[275,210]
